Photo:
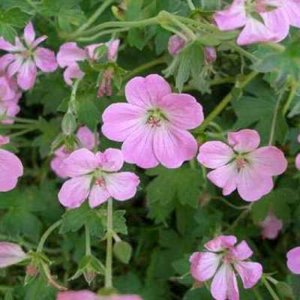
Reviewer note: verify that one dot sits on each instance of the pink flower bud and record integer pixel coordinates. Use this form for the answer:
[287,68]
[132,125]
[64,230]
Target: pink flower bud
[105,85]
[271,227]
[10,254]
[175,44]
[210,55]
[4,140]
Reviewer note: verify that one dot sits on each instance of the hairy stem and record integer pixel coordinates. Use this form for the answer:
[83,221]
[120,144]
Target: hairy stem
[109,244]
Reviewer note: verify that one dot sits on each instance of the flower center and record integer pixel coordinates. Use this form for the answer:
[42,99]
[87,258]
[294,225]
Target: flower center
[228,258]
[260,6]
[100,181]
[27,53]
[241,162]
[155,117]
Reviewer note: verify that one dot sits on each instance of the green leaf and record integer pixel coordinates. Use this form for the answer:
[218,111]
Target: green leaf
[122,251]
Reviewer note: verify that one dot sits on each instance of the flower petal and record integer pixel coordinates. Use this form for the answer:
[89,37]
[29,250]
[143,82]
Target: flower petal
[45,59]
[204,265]
[80,295]
[233,17]
[250,273]
[293,260]
[29,34]
[27,75]
[11,169]
[72,72]
[15,65]
[98,195]
[241,251]
[173,146]
[271,226]
[256,32]
[113,47]
[86,138]
[214,154]
[292,10]
[80,162]
[297,162]
[182,110]
[138,148]
[111,160]
[225,177]
[146,92]
[5,60]
[75,191]
[6,46]
[122,186]
[10,254]
[251,185]
[121,120]
[220,243]
[269,160]
[69,54]
[245,140]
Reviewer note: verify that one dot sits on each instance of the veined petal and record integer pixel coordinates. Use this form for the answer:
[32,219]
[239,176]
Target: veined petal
[5,60]
[292,10]
[221,243]
[241,251]
[77,295]
[297,162]
[27,75]
[245,140]
[293,260]
[45,59]
[6,46]
[250,272]
[86,138]
[111,160]
[29,34]
[72,72]
[10,254]
[69,54]
[15,65]
[98,195]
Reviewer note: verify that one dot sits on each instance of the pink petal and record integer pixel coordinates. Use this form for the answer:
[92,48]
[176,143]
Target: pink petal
[204,265]
[91,51]
[271,226]
[11,169]
[98,195]
[15,65]
[250,273]
[225,177]
[277,22]
[221,243]
[215,154]
[122,186]
[256,32]
[120,120]
[45,59]
[138,148]
[113,47]
[6,92]
[72,72]
[57,166]
[111,160]
[233,17]
[224,285]
[251,185]
[175,44]
[245,140]
[147,92]
[241,251]
[182,110]
[80,162]
[38,41]
[297,162]
[69,54]
[6,46]
[86,138]
[4,140]
[293,260]
[269,160]
[80,295]
[292,10]
[5,60]
[75,191]
[173,146]
[29,34]
[10,254]
[27,75]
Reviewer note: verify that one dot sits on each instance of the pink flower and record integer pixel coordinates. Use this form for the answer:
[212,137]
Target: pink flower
[222,261]
[11,168]
[70,54]
[96,177]
[10,254]
[297,161]
[293,260]
[154,123]
[276,15]
[24,59]
[175,44]
[271,226]
[242,165]
[87,295]
[86,139]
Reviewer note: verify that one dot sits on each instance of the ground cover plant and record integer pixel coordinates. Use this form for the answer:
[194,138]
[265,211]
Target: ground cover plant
[149,149]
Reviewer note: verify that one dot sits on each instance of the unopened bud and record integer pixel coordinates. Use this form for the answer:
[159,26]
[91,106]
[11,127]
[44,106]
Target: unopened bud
[175,44]
[68,124]
[210,55]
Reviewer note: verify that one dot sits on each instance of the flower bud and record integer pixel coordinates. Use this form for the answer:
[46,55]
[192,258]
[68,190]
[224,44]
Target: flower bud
[175,44]
[210,55]
[10,254]
[68,124]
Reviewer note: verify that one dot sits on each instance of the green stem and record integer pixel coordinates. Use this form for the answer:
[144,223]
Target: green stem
[239,218]
[191,5]
[291,97]
[92,18]
[24,120]
[243,52]
[87,241]
[109,241]
[47,234]
[270,289]
[102,33]
[274,119]
[22,132]
[221,106]
[243,207]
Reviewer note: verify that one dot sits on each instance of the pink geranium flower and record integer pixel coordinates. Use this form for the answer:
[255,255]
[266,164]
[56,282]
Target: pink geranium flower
[24,58]
[95,176]
[154,123]
[86,139]
[271,226]
[10,254]
[221,262]
[293,260]
[241,165]
[276,17]
[297,161]
[69,55]
[11,168]
[87,295]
